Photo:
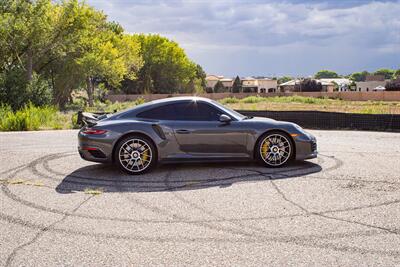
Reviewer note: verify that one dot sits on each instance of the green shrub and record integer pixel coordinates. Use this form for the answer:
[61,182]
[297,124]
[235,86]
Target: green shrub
[139,101]
[16,91]
[253,99]
[32,118]
[229,100]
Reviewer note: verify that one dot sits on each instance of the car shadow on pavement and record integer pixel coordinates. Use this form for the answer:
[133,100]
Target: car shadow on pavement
[99,178]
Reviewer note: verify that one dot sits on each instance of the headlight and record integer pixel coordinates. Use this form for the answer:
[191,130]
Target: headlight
[298,128]
[301,130]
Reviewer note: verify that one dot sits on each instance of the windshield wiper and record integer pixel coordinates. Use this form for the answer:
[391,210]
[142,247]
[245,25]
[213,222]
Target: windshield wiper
[248,117]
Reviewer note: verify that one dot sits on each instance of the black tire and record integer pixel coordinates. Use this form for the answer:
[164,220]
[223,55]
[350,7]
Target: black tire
[147,145]
[289,155]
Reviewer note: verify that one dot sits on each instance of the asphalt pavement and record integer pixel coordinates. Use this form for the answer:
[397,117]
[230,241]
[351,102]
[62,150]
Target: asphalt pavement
[341,209]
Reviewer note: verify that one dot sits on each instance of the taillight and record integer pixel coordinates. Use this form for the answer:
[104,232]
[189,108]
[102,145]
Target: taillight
[94,131]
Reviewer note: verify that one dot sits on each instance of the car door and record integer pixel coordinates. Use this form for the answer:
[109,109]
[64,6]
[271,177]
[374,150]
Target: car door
[199,132]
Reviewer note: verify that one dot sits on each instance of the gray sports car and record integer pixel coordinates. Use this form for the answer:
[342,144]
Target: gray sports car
[190,129]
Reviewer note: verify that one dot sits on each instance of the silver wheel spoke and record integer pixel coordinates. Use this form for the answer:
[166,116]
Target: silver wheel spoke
[278,149]
[135,155]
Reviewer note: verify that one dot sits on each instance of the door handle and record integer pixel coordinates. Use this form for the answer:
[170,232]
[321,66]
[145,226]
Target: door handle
[182,131]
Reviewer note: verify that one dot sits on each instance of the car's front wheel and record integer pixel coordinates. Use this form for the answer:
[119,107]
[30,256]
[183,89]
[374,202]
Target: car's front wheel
[275,149]
[135,154]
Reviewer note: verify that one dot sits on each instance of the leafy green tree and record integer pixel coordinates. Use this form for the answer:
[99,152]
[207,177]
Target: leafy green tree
[284,79]
[237,85]
[326,74]
[359,76]
[110,57]
[66,43]
[396,74]
[166,67]
[219,87]
[387,73]
[201,76]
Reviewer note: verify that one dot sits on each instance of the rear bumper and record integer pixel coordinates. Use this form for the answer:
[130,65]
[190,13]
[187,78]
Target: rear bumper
[93,154]
[94,149]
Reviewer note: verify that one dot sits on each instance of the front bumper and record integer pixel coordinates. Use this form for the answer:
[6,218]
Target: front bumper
[306,147]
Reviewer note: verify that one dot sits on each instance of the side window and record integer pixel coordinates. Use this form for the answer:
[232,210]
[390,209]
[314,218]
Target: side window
[196,111]
[207,112]
[183,111]
[166,112]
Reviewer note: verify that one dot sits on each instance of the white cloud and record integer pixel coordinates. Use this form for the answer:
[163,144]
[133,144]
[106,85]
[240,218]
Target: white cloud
[308,31]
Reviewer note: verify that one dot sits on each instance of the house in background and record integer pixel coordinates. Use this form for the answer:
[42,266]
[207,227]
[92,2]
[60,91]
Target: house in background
[290,86]
[327,86]
[249,85]
[372,83]
[267,85]
[294,86]
[227,83]
[259,85]
[211,81]
[343,84]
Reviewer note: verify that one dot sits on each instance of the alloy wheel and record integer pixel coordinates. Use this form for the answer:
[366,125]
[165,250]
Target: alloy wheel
[135,155]
[275,149]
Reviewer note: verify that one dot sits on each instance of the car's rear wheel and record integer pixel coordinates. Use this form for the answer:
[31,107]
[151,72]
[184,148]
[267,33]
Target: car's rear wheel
[135,154]
[275,149]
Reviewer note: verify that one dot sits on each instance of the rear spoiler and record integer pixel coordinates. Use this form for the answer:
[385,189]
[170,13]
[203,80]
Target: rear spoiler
[90,119]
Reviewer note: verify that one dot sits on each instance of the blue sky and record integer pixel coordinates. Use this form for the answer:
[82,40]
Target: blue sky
[271,38]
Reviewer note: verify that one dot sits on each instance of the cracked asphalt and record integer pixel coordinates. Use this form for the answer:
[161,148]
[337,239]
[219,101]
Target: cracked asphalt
[341,209]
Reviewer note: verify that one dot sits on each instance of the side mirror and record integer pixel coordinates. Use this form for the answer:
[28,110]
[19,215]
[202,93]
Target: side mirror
[224,118]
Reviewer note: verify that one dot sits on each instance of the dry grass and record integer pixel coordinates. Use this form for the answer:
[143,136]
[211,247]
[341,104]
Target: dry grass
[329,105]
[94,191]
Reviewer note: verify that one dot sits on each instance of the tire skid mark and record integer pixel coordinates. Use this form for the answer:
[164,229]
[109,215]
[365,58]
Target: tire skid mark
[14,197]
[42,231]
[292,239]
[251,240]
[330,217]
[289,240]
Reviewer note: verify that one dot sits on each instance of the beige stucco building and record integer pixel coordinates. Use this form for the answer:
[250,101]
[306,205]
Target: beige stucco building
[369,86]
[264,85]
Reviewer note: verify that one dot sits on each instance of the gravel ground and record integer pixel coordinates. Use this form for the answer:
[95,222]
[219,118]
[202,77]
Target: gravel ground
[340,209]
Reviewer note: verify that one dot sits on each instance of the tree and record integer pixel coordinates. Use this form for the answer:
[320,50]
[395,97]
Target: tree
[237,85]
[359,76]
[326,74]
[310,85]
[63,43]
[219,87]
[387,73]
[284,79]
[166,67]
[109,57]
[201,75]
[393,85]
[396,74]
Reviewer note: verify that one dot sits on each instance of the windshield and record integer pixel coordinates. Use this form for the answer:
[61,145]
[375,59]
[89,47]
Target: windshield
[231,112]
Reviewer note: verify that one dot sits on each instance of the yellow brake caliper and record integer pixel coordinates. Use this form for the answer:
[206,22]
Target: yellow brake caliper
[145,155]
[264,149]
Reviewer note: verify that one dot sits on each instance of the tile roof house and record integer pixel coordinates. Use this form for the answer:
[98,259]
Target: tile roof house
[259,85]
[227,83]
[342,83]
[294,86]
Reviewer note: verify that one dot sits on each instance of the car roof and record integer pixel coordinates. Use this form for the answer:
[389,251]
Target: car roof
[180,98]
[158,102]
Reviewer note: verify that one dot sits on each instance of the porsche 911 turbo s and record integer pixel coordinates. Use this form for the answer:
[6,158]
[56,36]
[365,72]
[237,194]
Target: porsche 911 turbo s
[190,129]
